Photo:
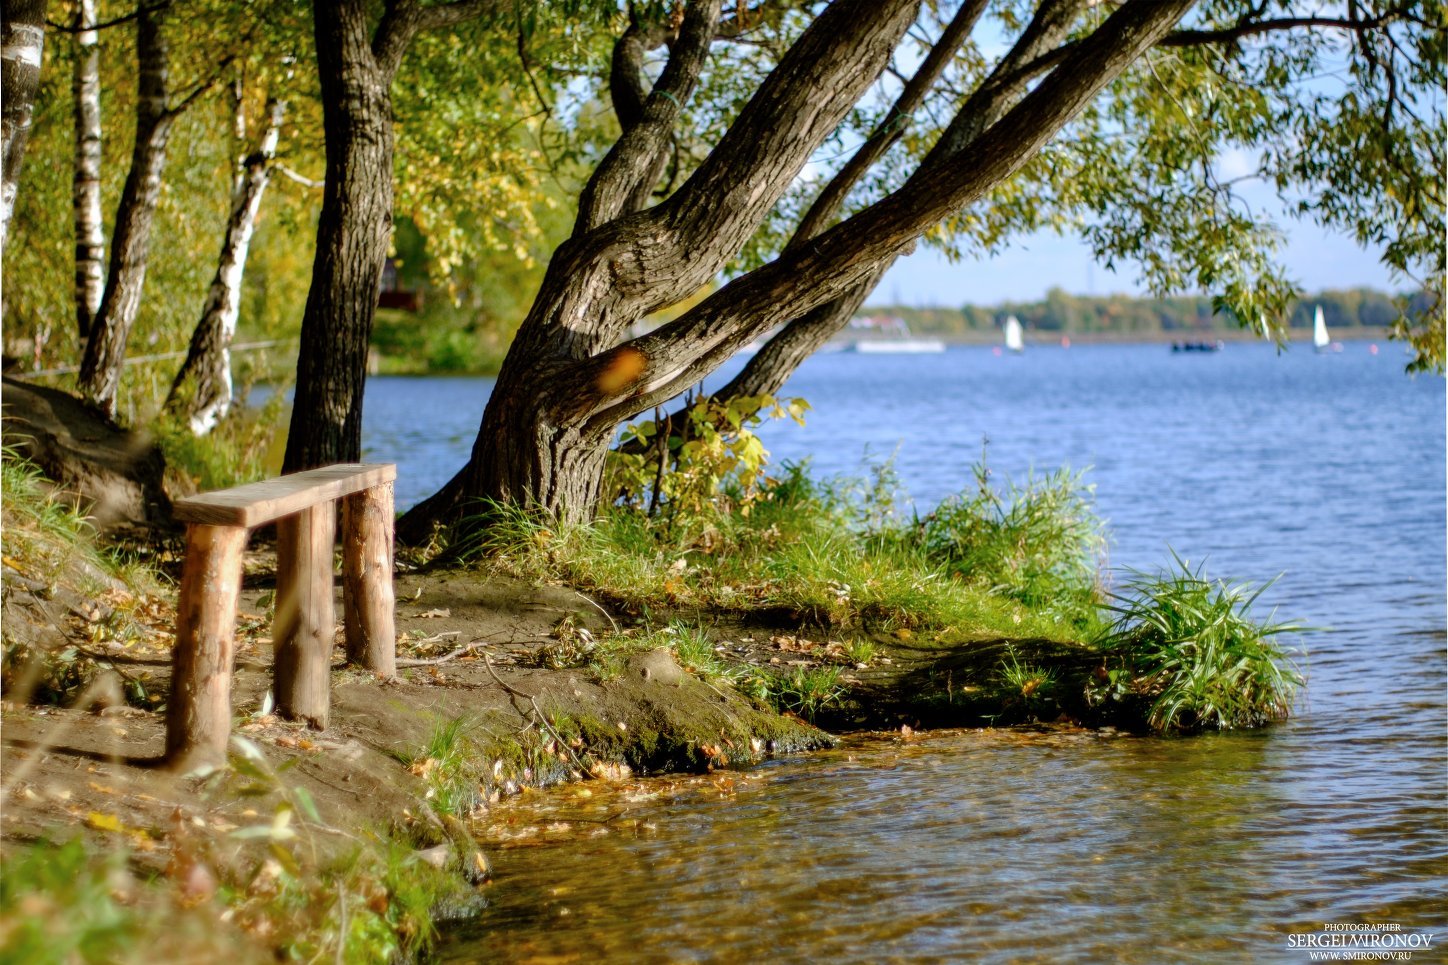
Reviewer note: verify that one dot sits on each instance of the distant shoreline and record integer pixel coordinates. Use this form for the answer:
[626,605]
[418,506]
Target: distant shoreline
[1052,339]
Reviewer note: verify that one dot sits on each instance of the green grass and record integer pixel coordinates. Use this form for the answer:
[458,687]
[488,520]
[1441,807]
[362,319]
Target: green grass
[263,893]
[1034,686]
[44,533]
[447,764]
[1190,646]
[1041,543]
[1183,652]
[824,552]
[50,550]
[808,690]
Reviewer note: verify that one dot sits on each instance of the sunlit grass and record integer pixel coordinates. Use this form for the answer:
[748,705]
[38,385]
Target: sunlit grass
[1191,646]
[804,547]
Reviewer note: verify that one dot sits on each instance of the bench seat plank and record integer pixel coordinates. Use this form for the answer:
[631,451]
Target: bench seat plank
[258,503]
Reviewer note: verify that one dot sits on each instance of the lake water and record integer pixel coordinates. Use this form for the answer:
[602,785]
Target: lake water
[1006,846]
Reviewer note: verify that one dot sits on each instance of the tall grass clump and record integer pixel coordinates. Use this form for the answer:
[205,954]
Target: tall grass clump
[837,553]
[447,766]
[1190,646]
[1041,544]
[43,531]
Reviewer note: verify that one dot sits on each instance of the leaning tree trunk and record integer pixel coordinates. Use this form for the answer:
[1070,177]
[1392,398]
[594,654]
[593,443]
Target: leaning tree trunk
[352,238]
[90,239]
[567,383]
[541,443]
[22,45]
[201,392]
[105,351]
[767,371]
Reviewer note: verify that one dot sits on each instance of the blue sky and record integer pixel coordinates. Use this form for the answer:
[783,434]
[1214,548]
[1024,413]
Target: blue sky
[1315,260]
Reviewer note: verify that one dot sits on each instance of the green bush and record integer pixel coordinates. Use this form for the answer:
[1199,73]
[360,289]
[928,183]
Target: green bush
[235,452]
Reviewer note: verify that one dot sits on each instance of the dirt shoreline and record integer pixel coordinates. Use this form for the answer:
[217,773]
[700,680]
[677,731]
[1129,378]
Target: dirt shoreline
[63,765]
[529,714]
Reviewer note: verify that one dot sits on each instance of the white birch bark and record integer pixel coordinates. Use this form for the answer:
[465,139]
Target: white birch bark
[202,389]
[90,239]
[22,46]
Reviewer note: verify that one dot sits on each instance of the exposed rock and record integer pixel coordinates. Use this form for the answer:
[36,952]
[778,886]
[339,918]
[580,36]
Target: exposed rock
[115,473]
[657,666]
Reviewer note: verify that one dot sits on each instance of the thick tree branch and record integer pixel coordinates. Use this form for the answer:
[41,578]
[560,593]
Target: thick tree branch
[892,128]
[1254,28]
[766,372]
[599,283]
[679,353]
[626,88]
[626,177]
[403,19]
[459,11]
[1226,35]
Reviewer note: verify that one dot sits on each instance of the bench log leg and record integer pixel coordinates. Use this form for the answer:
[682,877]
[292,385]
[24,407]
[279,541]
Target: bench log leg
[367,593]
[305,624]
[198,716]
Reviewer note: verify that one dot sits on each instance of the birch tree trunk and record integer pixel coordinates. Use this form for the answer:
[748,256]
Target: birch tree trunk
[90,239]
[100,372]
[201,392]
[22,46]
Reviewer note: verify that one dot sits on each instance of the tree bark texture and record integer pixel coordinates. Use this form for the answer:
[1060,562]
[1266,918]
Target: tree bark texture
[352,238]
[201,391]
[22,48]
[105,351]
[198,715]
[90,239]
[769,369]
[538,445]
[306,615]
[626,177]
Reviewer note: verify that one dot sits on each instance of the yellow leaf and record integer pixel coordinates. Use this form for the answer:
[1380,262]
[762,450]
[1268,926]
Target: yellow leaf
[103,822]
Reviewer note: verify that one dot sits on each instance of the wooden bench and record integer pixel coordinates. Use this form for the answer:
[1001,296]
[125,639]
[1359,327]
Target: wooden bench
[198,717]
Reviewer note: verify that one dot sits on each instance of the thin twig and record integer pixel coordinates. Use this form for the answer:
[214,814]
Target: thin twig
[540,718]
[342,926]
[488,662]
[435,661]
[607,616]
[301,179]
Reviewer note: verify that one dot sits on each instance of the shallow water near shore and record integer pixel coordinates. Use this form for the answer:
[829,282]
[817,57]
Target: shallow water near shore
[1060,846]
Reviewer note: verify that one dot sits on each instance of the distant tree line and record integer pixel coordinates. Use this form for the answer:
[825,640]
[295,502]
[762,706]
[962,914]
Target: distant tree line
[1062,312]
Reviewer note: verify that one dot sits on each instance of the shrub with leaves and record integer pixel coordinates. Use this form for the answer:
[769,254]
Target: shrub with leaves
[689,468]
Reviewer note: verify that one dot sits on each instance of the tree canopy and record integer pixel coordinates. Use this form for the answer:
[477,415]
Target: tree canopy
[575,169]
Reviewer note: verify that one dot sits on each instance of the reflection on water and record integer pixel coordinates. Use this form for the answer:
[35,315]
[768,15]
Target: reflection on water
[973,846]
[1003,846]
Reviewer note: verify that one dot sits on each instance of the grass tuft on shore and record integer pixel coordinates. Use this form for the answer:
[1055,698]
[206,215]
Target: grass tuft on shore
[1189,645]
[827,553]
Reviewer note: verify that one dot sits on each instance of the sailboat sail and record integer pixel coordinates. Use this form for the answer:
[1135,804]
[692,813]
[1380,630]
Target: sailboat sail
[1014,339]
[1320,339]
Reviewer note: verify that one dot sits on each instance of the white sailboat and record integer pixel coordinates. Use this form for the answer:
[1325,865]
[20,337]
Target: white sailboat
[1015,340]
[1321,341]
